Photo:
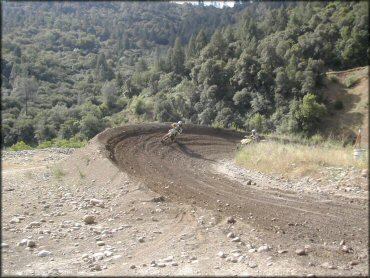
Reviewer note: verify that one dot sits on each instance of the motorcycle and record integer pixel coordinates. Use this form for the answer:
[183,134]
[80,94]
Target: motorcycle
[170,137]
[250,140]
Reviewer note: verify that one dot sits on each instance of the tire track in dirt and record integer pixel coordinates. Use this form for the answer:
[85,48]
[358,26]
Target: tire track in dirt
[182,172]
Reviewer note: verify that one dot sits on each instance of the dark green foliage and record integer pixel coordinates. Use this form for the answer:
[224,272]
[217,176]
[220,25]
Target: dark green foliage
[71,69]
[338,105]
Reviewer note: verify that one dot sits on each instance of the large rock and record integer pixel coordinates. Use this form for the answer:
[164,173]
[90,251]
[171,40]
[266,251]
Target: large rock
[89,219]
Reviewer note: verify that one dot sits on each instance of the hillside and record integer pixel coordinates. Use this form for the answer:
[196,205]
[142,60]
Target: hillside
[72,69]
[351,88]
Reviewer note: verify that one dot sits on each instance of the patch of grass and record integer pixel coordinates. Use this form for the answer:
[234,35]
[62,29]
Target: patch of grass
[295,160]
[58,172]
[351,81]
[82,175]
[20,146]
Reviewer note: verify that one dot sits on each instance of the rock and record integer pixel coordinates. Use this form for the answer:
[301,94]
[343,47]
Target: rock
[98,256]
[365,173]
[221,254]
[34,224]
[4,245]
[96,267]
[158,199]
[161,264]
[230,235]
[300,252]
[249,182]
[354,262]
[263,248]
[328,265]
[231,220]
[342,242]
[346,249]
[235,239]
[23,242]
[282,251]
[252,264]
[30,243]
[174,264]
[100,243]
[141,239]
[252,250]
[15,220]
[43,253]
[96,202]
[168,259]
[108,253]
[89,219]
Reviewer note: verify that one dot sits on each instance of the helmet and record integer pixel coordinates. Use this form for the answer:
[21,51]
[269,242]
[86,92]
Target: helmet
[180,123]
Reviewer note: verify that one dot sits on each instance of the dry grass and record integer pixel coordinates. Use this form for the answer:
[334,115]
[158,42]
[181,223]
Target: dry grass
[294,161]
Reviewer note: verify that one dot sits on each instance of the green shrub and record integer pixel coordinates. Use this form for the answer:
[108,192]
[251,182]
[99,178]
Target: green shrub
[338,104]
[20,146]
[62,143]
[350,82]
[217,125]
[333,79]
[317,139]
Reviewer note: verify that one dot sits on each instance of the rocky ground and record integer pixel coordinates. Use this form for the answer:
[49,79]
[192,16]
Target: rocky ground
[73,212]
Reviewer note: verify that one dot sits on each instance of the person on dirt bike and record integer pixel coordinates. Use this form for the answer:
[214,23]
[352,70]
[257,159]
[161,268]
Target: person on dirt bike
[172,133]
[254,135]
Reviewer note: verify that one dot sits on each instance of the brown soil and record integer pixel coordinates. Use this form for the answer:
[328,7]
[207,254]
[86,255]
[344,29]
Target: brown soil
[200,193]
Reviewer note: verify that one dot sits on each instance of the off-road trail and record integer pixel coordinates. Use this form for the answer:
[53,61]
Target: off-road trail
[213,218]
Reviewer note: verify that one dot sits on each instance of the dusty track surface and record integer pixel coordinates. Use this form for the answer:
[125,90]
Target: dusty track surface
[184,172]
[118,177]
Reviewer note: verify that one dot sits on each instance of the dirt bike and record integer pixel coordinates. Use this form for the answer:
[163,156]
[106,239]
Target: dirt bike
[169,138]
[249,140]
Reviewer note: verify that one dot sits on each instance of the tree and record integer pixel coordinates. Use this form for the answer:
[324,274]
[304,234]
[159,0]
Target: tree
[25,88]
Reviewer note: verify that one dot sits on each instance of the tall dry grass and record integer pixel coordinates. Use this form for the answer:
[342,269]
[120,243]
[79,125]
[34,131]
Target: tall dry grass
[294,160]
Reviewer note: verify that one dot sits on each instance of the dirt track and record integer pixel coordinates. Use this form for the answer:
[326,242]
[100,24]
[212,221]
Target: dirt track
[184,172]
[46,195]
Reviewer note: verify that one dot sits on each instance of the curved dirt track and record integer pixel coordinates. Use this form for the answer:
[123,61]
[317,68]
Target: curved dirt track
[183,172]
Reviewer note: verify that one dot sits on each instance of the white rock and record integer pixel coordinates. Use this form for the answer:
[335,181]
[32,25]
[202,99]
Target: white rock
[96,201]
[221,254]
[108,253]
[23,242]
[15,220]
[43,253]
[4,245]
[98,256]
[263,248]
[230,235]
[168,259]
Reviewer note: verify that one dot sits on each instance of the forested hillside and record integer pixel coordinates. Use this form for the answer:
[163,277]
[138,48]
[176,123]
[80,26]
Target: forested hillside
[69,70]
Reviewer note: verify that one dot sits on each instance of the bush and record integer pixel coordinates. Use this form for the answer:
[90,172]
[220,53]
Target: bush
[20,146]
[62,143]
[333,79]
[350,82]
[338,105]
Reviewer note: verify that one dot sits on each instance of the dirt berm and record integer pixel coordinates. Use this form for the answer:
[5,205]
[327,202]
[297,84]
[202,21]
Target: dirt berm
[184,172]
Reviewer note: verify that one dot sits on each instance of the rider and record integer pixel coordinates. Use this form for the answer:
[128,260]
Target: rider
[176,129]
[255,135]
